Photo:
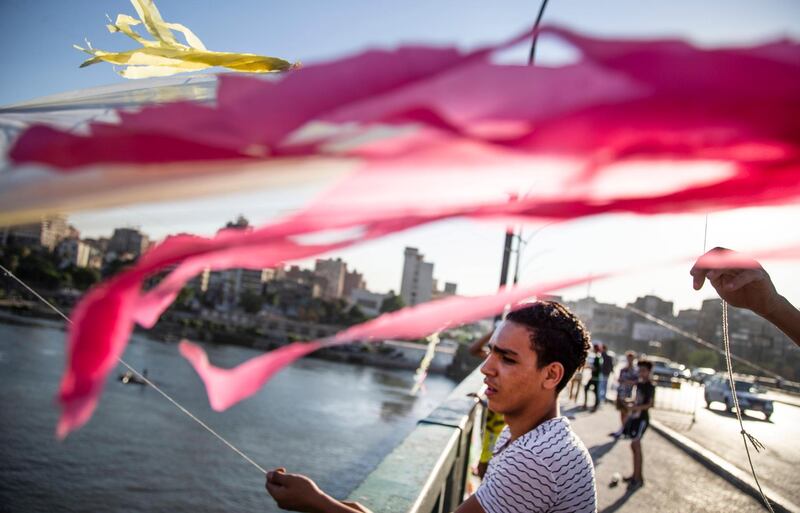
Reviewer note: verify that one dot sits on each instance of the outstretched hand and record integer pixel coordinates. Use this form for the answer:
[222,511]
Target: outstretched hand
[296,492]
[743,283]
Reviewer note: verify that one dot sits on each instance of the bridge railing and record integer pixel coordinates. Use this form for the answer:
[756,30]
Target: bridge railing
[428,471]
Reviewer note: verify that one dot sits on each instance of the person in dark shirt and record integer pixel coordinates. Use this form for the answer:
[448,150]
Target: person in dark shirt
[628,377]
[606,369]
[594,381]
[639,419]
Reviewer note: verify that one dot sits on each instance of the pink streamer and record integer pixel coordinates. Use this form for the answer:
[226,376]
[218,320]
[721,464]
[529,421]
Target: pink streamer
[625,102]
[226,387]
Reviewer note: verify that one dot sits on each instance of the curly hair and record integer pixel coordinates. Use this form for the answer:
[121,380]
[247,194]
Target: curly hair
[556,335]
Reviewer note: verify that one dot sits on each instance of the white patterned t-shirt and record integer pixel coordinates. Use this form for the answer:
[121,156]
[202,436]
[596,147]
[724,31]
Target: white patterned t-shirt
[546,470]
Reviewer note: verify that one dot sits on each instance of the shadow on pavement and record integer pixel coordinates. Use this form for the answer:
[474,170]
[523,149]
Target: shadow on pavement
[570,412]
[619,502]
[598,451]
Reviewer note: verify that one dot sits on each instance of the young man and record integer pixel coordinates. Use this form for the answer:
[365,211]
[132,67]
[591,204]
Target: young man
[638,421]
[628,377]
[539,464]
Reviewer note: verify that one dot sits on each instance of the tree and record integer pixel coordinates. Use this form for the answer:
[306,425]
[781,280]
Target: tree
[251,302]
[392,302]
[185,296]
[84,277]
[354,316]
[703,358]
[115,266]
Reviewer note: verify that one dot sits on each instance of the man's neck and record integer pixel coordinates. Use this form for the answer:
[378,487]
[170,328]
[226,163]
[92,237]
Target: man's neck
[526,421]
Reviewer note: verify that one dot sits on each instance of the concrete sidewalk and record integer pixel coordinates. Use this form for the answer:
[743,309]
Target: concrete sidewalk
[673,480]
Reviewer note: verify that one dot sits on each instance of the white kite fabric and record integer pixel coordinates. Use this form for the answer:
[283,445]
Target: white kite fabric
[436,134]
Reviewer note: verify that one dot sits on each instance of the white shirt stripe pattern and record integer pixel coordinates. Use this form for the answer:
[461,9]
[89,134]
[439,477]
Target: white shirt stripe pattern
[546,470]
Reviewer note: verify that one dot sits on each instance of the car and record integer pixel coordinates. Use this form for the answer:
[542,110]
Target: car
[681,370]
[749,395]
[664,371]
[700,374]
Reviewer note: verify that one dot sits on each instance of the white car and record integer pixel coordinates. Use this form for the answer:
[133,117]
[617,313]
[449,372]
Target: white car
[718,389]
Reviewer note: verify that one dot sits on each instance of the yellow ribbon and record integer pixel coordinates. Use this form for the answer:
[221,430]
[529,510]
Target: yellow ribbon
[164,55]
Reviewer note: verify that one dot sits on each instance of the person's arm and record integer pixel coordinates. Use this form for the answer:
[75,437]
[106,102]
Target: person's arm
[642,407]
[296,492]
[747,285]
[471,505]
[477,347]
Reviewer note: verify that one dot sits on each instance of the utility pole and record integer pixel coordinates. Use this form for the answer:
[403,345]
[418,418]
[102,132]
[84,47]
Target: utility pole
[506,260]
[507,245]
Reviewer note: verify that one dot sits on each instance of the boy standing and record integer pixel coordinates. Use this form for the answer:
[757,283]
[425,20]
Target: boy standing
[638,421]
[628,377]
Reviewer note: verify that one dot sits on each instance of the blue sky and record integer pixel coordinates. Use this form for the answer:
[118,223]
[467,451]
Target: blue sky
[39,60]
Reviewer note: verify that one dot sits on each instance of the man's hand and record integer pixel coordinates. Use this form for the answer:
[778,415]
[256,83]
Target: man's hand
[745,284]
[296,492]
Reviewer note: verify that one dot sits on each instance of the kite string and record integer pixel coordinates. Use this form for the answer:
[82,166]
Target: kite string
[757,445]
[745,435]
[143,378]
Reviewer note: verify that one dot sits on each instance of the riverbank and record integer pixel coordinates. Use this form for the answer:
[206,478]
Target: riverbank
[170,332]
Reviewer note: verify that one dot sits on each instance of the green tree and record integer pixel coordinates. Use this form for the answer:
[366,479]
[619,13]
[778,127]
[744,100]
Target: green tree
[84,277]
[115,266]
[703,358]
[392,302]
[39,269]
[185,297]
[354,316]
[251,302]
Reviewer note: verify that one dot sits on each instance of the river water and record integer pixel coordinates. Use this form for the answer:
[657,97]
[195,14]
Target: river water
[332,421]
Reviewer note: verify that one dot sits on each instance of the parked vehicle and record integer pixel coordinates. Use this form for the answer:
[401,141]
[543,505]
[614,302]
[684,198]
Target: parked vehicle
[664,371]
[750,397]
[700,374]
[682,371]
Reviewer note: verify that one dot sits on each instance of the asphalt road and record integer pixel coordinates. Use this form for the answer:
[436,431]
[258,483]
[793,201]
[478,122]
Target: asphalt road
[674,482]
[718,431]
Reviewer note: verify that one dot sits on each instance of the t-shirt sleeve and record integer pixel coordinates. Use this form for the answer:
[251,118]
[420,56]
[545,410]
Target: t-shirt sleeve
[519,484]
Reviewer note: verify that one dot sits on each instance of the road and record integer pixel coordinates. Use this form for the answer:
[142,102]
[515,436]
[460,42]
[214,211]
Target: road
[718,431]
[674,482]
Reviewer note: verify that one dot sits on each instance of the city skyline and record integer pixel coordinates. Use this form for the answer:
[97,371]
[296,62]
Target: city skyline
[550,254]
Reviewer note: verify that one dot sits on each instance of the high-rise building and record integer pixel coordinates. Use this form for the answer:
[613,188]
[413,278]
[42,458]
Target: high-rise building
[75,252]
[333,270]
[656,306]
[128,240]
[353,280]
[46,233]
[417,283]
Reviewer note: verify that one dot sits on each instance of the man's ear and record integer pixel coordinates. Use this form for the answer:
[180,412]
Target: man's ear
[553,374]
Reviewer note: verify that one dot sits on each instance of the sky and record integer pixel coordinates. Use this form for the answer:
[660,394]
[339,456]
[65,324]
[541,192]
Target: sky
[655,253]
